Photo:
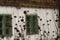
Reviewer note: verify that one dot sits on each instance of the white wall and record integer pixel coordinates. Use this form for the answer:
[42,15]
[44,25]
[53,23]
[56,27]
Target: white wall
[44,14]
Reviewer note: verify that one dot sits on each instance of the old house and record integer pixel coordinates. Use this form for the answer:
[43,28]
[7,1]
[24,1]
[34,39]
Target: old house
[29,20]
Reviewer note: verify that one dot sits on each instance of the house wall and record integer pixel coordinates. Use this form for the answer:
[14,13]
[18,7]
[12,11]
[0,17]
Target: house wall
[48,25]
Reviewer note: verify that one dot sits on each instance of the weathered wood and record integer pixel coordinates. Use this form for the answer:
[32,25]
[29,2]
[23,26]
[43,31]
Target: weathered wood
[31,3]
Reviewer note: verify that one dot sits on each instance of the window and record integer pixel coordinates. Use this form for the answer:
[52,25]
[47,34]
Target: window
[31,24]
[5,25]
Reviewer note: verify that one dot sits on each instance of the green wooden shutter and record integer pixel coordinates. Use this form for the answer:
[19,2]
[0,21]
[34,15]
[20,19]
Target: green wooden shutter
[5,25]
[31,24]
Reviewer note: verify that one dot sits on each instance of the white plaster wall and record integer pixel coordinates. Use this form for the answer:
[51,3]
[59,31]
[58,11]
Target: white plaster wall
[44,14]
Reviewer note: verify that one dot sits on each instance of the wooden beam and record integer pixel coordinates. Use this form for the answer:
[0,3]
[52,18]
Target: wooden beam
[31,3]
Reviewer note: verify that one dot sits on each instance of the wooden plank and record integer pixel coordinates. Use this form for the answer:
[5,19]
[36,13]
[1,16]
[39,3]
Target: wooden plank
[30,3]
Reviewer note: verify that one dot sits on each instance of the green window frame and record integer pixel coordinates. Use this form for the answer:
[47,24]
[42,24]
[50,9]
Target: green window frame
[31,24]
[5,25]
